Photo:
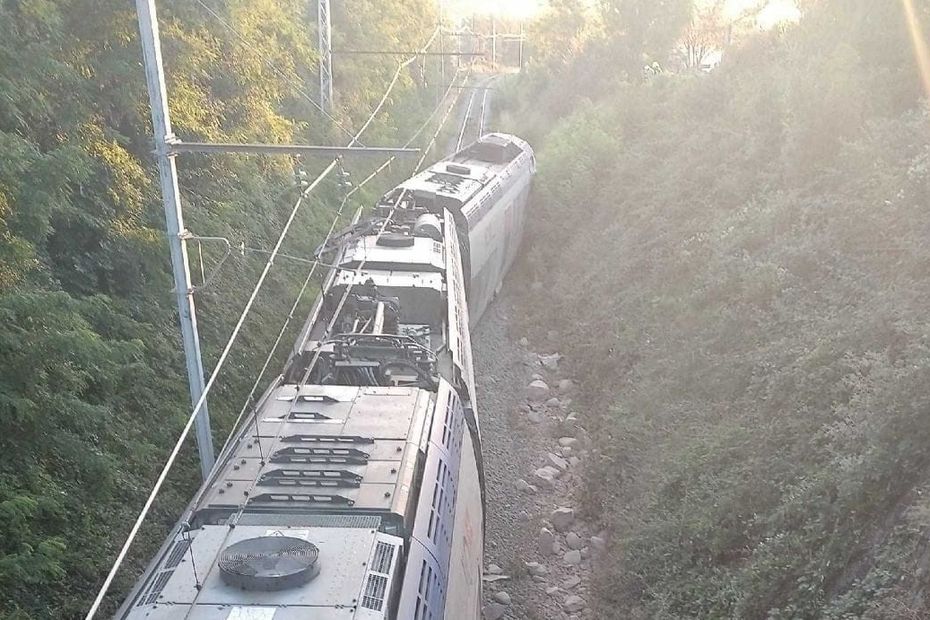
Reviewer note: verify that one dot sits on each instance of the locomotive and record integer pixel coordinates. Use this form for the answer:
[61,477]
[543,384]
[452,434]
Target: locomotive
[355,489]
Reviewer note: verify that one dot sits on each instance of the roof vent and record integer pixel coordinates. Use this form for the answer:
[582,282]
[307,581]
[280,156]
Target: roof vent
[269,563]
[458,169]
[395,240]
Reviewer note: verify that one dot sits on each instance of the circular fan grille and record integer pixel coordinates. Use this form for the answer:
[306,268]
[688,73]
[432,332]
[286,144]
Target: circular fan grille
[269,563]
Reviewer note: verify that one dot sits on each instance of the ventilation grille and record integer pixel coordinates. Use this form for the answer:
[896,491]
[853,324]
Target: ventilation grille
[155,589]
[380,571]
[375,589]
[384,555]
[177,553]
[347,521]
[269,563]
[158,584]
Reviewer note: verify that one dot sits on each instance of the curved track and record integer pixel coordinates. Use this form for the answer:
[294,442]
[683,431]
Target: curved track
[477,112]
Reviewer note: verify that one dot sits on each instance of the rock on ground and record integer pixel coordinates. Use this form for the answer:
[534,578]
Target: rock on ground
[537,391]
[518,435]
[573,603]
[546,541]
[562,518]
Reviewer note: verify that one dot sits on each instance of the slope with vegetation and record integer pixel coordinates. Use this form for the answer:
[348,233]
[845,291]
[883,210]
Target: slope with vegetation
[743,257]
[92,383]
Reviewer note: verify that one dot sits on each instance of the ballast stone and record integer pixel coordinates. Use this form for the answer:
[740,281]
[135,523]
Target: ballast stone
[546,541]
[562,518]
[494,611]
[557,461]
[535,569]
[573,603]
[537,391]
[546,475]
[571,582]
[550,362]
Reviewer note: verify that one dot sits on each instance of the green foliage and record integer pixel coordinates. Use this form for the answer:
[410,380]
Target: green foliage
[746,272]
[92,386]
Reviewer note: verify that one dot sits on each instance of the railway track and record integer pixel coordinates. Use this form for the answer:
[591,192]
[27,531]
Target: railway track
[474,121]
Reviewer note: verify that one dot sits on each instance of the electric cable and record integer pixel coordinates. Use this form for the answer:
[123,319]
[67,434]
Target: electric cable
[248,44]
[247,309]
[203,396]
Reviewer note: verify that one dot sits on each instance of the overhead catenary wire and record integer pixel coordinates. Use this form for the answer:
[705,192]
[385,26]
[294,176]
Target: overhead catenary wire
[271,65]
[390,87]
[203,397]
[316,262]
[234,521]
[432,141]
[371,176]
[244,314]
[345,295]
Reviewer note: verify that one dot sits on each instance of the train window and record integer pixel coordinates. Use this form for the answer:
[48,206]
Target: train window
[426,577]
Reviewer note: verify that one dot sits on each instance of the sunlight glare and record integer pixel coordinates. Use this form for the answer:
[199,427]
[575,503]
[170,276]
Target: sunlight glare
[920,43]
[778,12]
[516,9]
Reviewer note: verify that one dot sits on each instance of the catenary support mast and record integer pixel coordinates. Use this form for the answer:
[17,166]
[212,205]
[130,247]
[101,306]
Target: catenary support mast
[325,38]
[174,220]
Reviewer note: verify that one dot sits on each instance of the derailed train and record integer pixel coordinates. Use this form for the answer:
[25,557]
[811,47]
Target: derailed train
[356,489]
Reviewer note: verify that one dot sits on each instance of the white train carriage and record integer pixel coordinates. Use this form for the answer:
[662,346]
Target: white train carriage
[486,185]
[355,490]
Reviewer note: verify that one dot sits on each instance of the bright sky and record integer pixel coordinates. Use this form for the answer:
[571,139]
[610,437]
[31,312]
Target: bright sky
[523,9]
[777,12]
[773,12]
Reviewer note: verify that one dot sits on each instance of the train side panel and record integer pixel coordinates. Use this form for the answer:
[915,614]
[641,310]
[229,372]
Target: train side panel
[463,598]
[495,240]
[496,218]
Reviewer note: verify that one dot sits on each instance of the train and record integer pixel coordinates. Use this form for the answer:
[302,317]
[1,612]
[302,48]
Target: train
[355,487]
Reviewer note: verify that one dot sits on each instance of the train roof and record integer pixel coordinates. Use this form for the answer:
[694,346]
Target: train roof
[465,173]
[343,472]
[350,557]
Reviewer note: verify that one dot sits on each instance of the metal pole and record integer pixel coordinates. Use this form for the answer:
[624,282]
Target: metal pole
[442,59]
[161,124]
[493,41]
[325,38]
[522,37]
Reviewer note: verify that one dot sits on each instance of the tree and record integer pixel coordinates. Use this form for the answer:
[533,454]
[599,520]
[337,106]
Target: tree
[92,386]
[641,31]
[559,35]
[705,34]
